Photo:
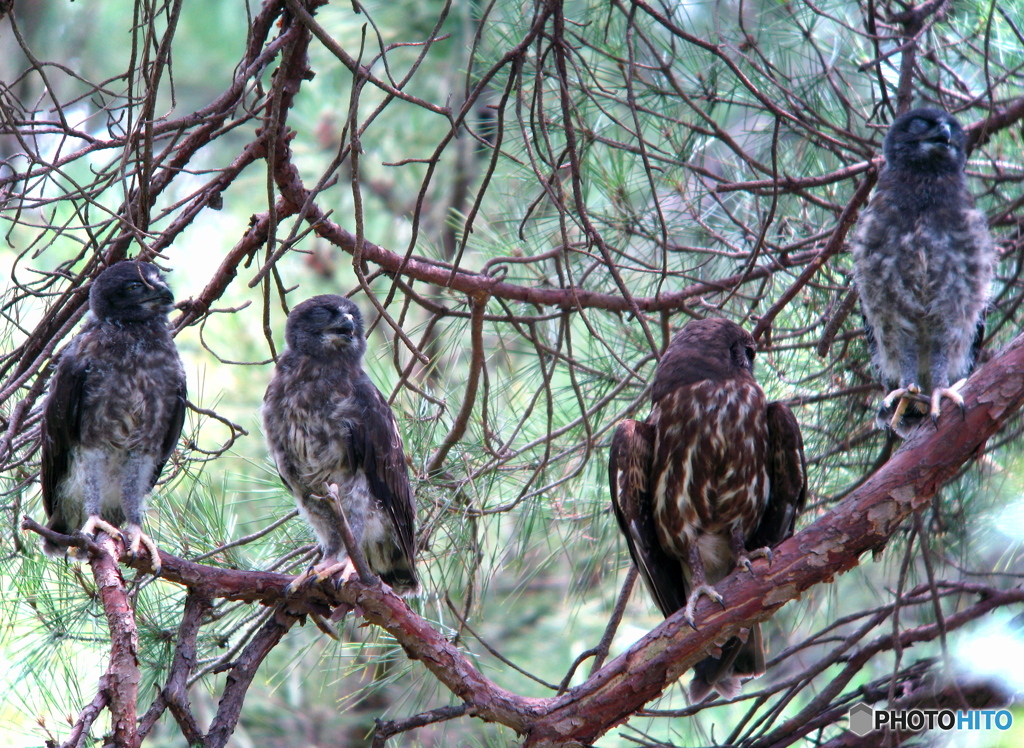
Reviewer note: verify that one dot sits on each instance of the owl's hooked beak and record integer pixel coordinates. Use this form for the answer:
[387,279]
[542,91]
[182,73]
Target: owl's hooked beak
[159,297]
[345,328]
[942,133]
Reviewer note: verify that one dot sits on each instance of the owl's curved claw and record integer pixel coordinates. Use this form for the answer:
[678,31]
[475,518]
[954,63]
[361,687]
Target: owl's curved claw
[744,559]
[953,394]
[691,603]
[134,538]
[301,580]
[348,573]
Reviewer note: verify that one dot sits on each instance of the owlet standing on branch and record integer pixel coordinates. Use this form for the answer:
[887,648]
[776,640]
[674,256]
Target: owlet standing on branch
[326,424]
[114,411]
[923,263]
[713,477]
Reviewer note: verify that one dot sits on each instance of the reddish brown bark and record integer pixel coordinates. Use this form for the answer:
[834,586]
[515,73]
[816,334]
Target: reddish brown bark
[121,680]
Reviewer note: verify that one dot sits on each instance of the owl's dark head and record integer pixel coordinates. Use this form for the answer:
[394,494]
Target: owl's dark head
[326,326]
[714,349]
[130,292]
[926,140]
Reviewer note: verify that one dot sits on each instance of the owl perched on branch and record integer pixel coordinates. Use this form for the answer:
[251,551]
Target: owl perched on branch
[114,411]
[325,424]
[923,264]
[711,479]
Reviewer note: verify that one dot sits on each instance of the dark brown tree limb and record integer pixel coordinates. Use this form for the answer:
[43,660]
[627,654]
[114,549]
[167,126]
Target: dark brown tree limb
[816,714]
[389,729]
[478,303]
[833,544]
[835,243]
[244,670]
[925,694]
[85,720]
[600,651]
[174,695]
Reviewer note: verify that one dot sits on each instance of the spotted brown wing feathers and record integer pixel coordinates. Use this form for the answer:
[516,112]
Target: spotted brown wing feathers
[629,469]
[787,477]
[174,425]
[377,447]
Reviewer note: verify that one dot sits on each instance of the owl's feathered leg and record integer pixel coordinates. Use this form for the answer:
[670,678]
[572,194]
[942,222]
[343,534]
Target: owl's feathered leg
[134,487]
[698,586]
[940,383]
[325,515]
[94,498]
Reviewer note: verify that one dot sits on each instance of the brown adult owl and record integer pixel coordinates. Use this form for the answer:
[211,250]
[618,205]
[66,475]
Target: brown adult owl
[713,477]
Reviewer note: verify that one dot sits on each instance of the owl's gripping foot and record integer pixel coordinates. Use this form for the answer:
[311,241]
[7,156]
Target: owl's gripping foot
[301,580]
[691,603]
[134,538]
[321,571]
[905,395]
[742,555]
[744,558]
[347,569]
[95,524]
[953,393]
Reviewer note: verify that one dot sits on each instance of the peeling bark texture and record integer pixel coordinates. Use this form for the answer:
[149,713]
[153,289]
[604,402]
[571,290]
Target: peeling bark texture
[834,543]
[174,695]
[120,682]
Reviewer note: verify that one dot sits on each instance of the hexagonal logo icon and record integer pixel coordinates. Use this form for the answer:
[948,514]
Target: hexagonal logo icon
[862,719]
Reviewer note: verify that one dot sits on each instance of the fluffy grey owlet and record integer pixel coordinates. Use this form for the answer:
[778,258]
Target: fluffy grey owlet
[326,424]
[114,410]
[923,265]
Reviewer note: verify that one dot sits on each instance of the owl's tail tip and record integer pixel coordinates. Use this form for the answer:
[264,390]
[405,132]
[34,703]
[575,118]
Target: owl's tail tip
[403,581]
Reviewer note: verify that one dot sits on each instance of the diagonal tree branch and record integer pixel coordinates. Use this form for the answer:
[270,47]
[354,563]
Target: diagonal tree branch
[174,695]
